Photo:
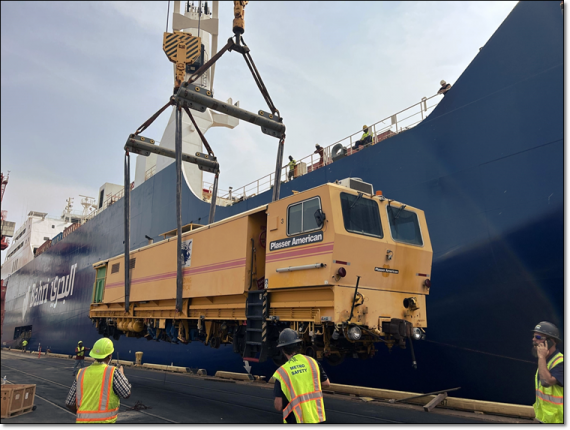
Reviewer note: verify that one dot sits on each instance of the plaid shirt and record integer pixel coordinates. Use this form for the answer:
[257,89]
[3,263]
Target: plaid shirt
[121,387]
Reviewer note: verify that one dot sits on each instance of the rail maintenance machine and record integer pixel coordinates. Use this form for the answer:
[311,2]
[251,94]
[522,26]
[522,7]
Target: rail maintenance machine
[344,267]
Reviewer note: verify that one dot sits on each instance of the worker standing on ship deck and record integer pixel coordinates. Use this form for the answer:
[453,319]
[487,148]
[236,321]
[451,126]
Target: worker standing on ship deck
[321,151]
[549,379]
[79,356]
[298,383]
[291,164]
[94,395]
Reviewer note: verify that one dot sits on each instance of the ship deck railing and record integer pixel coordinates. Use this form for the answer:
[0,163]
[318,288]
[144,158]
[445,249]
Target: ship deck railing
[381,130]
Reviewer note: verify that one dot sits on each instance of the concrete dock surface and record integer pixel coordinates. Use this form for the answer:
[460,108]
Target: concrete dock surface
[160,397]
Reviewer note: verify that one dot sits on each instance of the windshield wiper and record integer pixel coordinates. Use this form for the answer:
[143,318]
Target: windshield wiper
[399,211]
[358,198]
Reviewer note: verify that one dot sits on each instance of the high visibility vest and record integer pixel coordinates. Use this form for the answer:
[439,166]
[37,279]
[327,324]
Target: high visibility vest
[549,404]
[95,398]
[364,136]
[292,165]
[80,351]
[300,383]
[25,343]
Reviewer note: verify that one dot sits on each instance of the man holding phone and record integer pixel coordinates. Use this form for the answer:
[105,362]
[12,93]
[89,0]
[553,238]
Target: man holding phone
[549,379]
[94,395]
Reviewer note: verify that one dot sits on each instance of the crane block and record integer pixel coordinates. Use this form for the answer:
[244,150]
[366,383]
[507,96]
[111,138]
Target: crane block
[189,47]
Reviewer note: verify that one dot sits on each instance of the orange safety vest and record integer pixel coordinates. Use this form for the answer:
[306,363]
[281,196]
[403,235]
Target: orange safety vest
[95,398]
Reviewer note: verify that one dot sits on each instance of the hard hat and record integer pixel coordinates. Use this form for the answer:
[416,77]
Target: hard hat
[102,348]
[316,145]
[547,329]
[442,82]
[79,342]
[288,337]
[364,127]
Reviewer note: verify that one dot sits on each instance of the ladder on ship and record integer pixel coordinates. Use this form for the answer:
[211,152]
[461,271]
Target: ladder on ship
[257,309]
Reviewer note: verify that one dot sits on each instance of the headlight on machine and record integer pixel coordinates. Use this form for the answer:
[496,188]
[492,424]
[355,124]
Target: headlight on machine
[416,333]
[354,333]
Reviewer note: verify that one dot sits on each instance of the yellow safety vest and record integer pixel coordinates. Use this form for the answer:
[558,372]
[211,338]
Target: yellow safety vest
[364,136]
[549,404]
[96,400]
[81,351]
[301,384]
[292,165]
[25,343]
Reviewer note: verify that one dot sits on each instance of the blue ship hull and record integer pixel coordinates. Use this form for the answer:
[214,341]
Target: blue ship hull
[486,167]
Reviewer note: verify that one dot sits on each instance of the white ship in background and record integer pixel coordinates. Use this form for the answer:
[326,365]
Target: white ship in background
[39,231]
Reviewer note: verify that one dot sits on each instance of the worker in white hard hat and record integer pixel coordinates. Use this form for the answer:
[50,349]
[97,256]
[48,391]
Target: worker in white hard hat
[95,383]
[444,87]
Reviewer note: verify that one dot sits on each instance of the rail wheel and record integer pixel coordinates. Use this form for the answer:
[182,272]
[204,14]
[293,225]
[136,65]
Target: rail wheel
[310,351]
[215,342]
[334,359]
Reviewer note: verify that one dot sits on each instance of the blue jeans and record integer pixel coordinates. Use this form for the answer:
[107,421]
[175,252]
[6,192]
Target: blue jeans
[78,363]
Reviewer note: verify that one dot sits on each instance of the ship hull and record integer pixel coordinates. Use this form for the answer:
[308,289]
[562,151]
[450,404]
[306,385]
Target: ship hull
[486,167]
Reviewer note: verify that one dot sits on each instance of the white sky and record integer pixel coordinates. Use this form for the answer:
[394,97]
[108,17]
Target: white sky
[78,77]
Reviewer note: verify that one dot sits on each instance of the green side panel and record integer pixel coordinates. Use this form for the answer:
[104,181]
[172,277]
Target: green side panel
[99,284]
[101,272]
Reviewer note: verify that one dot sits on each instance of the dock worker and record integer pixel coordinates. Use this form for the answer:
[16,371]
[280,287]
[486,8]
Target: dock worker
[24,345]
[549,379]
[95,383]
[291,167]
[80,351]
[297,390]
[365,139]
[444,87]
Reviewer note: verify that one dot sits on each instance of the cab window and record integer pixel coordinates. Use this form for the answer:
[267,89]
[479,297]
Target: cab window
[301,216]
[361,215]
[404,226]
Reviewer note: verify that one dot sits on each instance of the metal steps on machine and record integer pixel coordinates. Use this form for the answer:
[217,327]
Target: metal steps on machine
[256,329]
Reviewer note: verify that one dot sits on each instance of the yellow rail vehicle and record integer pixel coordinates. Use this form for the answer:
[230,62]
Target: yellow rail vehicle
[344,267]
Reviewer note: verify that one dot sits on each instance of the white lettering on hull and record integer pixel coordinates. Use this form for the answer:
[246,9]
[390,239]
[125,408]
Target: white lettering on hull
[56,290]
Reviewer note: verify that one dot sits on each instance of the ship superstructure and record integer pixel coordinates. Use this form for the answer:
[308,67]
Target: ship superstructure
[31,235]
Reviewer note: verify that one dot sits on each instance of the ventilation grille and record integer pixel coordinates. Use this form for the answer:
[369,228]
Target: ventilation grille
[115,267]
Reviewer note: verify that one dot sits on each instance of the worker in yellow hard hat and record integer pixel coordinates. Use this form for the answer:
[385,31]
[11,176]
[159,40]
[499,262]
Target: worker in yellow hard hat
[96,382]
[80,351]
[365,139]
